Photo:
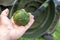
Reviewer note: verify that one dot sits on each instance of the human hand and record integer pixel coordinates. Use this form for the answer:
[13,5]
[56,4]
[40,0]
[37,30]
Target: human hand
[9,30]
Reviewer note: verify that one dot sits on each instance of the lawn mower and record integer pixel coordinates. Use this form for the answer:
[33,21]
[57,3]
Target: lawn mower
[45,13]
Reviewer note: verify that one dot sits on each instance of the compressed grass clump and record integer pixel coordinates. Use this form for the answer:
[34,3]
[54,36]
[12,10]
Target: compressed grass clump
[21,17]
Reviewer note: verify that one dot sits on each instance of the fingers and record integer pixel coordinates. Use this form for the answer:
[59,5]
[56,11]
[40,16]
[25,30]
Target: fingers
[23,29]
[20,30]
[5,12]
[30,22]
[26,26]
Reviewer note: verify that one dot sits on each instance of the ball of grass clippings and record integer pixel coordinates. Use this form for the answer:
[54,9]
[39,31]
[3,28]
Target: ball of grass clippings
[21,17]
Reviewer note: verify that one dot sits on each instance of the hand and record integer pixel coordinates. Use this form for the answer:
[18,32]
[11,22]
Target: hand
[9,30]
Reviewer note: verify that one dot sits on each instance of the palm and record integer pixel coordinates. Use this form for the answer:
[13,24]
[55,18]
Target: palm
[9,29]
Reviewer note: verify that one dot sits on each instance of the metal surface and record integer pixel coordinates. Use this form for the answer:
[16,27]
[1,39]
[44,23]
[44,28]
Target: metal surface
[43,21]
[6,2]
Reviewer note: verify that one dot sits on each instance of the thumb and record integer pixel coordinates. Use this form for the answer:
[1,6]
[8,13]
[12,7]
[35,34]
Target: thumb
[5,12]
[4,18]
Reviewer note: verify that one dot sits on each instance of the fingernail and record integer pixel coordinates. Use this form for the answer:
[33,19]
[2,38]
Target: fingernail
[5,12]
[6,9]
